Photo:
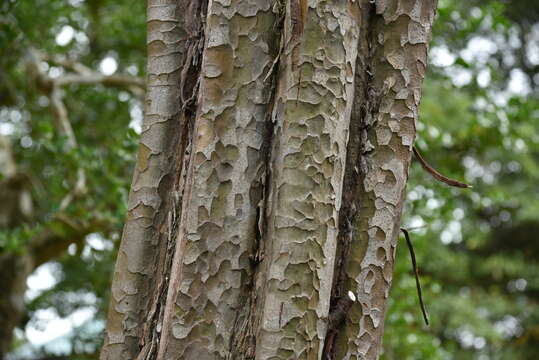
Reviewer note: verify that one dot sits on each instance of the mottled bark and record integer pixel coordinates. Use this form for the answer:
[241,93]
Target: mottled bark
[217,234]
[399,32]
[313,100]
[270,179]
[140,276]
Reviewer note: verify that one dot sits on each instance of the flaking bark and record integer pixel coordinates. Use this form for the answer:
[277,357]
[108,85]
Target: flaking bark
[400,33]
[311,114]
[142,264]
[224,187]
[252,213]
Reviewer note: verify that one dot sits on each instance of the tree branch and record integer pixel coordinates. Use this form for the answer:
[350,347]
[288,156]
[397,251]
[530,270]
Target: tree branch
[435,174]
[61,232]
[86,76]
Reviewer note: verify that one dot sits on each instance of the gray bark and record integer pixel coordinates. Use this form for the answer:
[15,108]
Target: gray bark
[270,179]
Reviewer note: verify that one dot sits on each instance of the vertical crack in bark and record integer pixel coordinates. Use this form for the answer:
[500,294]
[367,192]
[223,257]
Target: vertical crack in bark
[360,121]
[212,269]
[141,268]
[307,166]
[400,33]
[243,340]
[189,82]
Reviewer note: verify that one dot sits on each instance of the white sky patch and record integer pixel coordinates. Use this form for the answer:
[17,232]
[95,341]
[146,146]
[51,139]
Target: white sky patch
[51,326]
[75,3]
[518,83]
[26,141]
[417,222]
[43,101]
[520,284]
[466,338]
[433,132]
[411,338]
[136,113]
[55,72]
[507,327]
[483,78]
[476,12]
[460,76]
[123,96]
[41,279]
[72,249]
[532,45]
[413,195]
[108,65]
[441,56]
[458,214]
[132,70]
[433,204]
[6,128]
[479,343]
[81,37]
[446,237]
[65,35]
[452,233]
[97,242]
[514,38]
[479,50]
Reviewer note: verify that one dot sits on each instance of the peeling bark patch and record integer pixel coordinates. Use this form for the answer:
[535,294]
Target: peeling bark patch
[140,271]
[211,270]
[311,123]
[257,226]
[400,32]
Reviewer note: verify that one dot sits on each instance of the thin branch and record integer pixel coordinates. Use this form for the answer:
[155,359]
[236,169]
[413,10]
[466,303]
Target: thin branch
[416,273]
[63,126]
[86,76]
[435,174]
[134,84]
[67,63]
[52,87]
[59,233]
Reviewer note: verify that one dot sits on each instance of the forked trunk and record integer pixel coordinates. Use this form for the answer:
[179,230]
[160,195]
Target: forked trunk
[270,179]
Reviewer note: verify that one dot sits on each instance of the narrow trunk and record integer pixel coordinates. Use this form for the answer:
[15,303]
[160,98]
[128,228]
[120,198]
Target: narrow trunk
[270,178]
[398,37]
[15,271]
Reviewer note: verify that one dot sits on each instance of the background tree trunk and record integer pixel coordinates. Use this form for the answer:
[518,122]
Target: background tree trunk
[270,179]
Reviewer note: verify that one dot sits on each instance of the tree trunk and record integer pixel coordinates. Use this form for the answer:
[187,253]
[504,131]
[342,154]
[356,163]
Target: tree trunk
[266,202]
[16,266]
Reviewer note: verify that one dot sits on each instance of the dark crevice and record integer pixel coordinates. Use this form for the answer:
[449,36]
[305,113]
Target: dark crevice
[360,121]
[243,341]
[173,183]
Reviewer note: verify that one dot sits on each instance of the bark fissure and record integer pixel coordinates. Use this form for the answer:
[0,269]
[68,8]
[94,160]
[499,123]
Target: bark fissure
[216,239]
[360,121]
[189,82]
[244,337]
[143,264]
[280,198]
[306,173]
[400,34]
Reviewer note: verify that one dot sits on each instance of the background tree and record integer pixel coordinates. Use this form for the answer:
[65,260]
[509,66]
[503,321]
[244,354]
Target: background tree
[478,117]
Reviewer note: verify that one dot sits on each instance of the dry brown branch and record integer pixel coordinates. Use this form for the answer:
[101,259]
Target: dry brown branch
[435,174]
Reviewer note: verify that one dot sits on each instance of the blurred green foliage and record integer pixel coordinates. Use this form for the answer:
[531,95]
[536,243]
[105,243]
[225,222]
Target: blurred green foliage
[477,248]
